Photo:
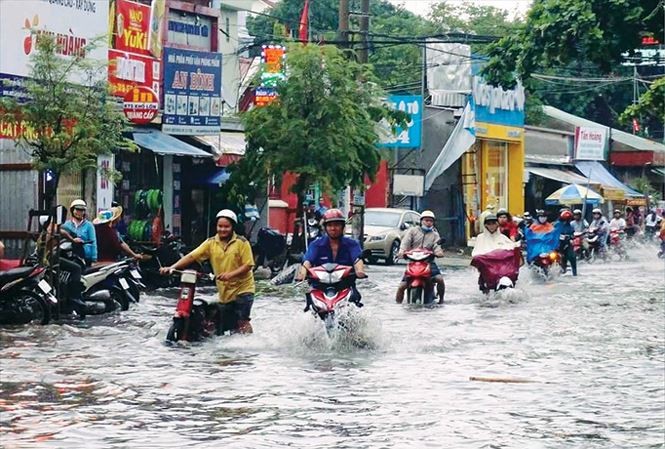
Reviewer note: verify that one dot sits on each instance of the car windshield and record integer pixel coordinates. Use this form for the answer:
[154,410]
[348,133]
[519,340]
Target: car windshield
[384,219]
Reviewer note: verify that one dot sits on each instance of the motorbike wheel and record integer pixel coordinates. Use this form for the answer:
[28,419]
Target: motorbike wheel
[416,296]
[134,290]
[28,307]
[118,299]
[176,330]
[591,256]
[392,258]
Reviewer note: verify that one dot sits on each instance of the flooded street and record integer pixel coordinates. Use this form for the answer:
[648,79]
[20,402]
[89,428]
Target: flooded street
[592,349]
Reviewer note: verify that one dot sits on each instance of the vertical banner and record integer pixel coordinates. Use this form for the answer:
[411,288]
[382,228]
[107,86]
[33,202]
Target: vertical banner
[192,92]
[105,164]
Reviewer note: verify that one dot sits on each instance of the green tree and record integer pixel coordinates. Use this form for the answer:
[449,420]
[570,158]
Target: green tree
[66,125]
[322,126]
[650,105]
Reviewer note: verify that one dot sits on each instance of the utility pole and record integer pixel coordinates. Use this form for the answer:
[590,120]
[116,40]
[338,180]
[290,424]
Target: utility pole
[363,53]
[343,27]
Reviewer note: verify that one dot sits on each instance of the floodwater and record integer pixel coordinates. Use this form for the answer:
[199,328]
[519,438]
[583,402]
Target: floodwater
[592,349]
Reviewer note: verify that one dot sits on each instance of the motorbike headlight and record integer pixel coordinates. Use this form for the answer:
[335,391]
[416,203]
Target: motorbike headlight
[377,238]
[553,255]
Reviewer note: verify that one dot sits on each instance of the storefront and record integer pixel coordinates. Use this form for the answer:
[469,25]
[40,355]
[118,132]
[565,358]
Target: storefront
[493,169]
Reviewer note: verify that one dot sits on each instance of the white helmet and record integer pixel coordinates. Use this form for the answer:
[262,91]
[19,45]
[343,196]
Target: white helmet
[597,211]
[78,203]
[577,212]
[227,213]
[427,214]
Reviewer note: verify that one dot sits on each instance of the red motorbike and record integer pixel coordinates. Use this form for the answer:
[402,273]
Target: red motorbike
[545,261]
[194,318]
[332,288]
[498,269]
[616,244]
[418,276]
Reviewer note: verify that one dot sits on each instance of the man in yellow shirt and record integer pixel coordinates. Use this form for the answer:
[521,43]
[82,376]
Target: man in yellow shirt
[231,258]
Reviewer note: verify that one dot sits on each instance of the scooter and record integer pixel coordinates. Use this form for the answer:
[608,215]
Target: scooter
[194,318]
[332,288]
[580,246]
[617,245]
[418,274]
[594,248]
[544,262]
[25,296]
[498,269]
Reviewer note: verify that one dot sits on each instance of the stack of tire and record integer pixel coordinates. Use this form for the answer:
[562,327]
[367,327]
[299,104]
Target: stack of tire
[147,204]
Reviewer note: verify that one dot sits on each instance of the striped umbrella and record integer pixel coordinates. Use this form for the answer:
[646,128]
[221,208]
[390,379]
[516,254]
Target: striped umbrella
[574,194]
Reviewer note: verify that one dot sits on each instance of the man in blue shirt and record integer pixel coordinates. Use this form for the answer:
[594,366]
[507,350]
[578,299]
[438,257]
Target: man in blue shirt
[334,248]
[79,230]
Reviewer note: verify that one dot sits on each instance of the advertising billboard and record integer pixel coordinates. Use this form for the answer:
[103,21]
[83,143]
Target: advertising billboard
[411,136]
[192,92]
[129,70]
[131,30]
[73,23]
[590,143]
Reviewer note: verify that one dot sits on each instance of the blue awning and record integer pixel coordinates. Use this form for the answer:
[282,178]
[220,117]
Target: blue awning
[164,144]
[600,175]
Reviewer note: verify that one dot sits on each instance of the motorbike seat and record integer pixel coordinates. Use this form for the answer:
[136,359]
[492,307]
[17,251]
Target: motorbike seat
[94,269]
[13,274]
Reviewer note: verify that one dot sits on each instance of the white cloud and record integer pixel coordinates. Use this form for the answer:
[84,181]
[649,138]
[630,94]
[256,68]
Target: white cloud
[422,7]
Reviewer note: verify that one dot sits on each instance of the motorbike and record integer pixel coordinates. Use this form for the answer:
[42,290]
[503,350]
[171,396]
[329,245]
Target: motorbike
[616,245]
[270,250]
[194,318]
[498,269]
[170,250]
[580,246]
[418,274]
[25,296]
[592,240]
[332,288]
[544,262]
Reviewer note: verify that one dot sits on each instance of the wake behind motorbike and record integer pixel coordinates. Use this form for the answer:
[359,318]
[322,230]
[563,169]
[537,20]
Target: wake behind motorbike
[418,276]
[332,288]
[545,262]
[25,296]
[194,318]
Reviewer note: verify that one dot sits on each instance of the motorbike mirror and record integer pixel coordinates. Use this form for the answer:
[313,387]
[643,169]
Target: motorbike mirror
[60,214]
[44,221]
[403,226]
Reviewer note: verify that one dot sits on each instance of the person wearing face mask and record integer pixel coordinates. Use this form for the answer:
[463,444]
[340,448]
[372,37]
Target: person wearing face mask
[541,225]
[423,236]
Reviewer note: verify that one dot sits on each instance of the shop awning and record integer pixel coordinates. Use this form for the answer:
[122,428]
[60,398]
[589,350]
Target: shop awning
[556,174]
[225,142]
[658,171]
[600,175]
[164,144]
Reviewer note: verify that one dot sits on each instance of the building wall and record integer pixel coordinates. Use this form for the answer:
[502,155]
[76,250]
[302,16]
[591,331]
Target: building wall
[228,47]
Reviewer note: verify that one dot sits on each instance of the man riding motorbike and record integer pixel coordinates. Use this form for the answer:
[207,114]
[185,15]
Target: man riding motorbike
[489,240]
[651,223]
[601,227]
[617,223]
[541,225]
[79,230]
[566,249]
[232,261]
[334,247]
[506,224]
[423,236]
[579,223]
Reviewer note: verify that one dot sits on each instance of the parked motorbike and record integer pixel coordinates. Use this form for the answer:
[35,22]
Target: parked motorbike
[194,318]
[498,269]
[332,288]
[25,296]
[270,250]
[418,274]
[170,250]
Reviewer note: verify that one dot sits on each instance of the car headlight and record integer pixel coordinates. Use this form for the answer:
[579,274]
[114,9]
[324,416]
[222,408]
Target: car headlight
[377,238]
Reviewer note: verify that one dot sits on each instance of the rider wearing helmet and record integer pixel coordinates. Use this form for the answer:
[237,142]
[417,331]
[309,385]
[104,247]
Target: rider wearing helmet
[579,223]
[489,240]
[541,224]
[231,258]
[79,230]
[506,224]
[566,249]
[600,226]
[334,247]
[617,223]
[423,236]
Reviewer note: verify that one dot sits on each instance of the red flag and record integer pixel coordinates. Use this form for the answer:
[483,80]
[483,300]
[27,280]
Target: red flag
[303,34]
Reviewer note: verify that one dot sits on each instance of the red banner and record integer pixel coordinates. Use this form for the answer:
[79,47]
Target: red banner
[128,70]
[132,27]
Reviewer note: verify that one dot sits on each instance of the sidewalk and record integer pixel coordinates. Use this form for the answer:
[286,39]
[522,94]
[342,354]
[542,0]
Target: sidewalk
[455,257]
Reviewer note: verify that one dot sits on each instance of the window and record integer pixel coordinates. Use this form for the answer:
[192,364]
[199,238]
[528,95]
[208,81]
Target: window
[496,177]
[382,219]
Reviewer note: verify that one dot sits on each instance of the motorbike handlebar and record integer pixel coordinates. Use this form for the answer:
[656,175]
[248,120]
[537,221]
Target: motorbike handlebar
[199,275]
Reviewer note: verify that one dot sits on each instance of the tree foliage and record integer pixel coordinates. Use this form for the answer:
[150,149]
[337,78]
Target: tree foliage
[322,127]
[66,125]
[651,104]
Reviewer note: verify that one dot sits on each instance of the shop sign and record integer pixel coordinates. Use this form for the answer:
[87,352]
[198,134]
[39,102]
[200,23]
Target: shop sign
[636,202]
[105,165]
[613,194]
[129,70]
[494,104]
[192,92]
[16,130]
[13,86]
[132,27]
[190,30]
[264,96]
[73,23]
[141,105]
[272,58]
[590,143]
[411,136]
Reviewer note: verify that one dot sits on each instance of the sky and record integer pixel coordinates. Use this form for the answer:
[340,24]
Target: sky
[422,7]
